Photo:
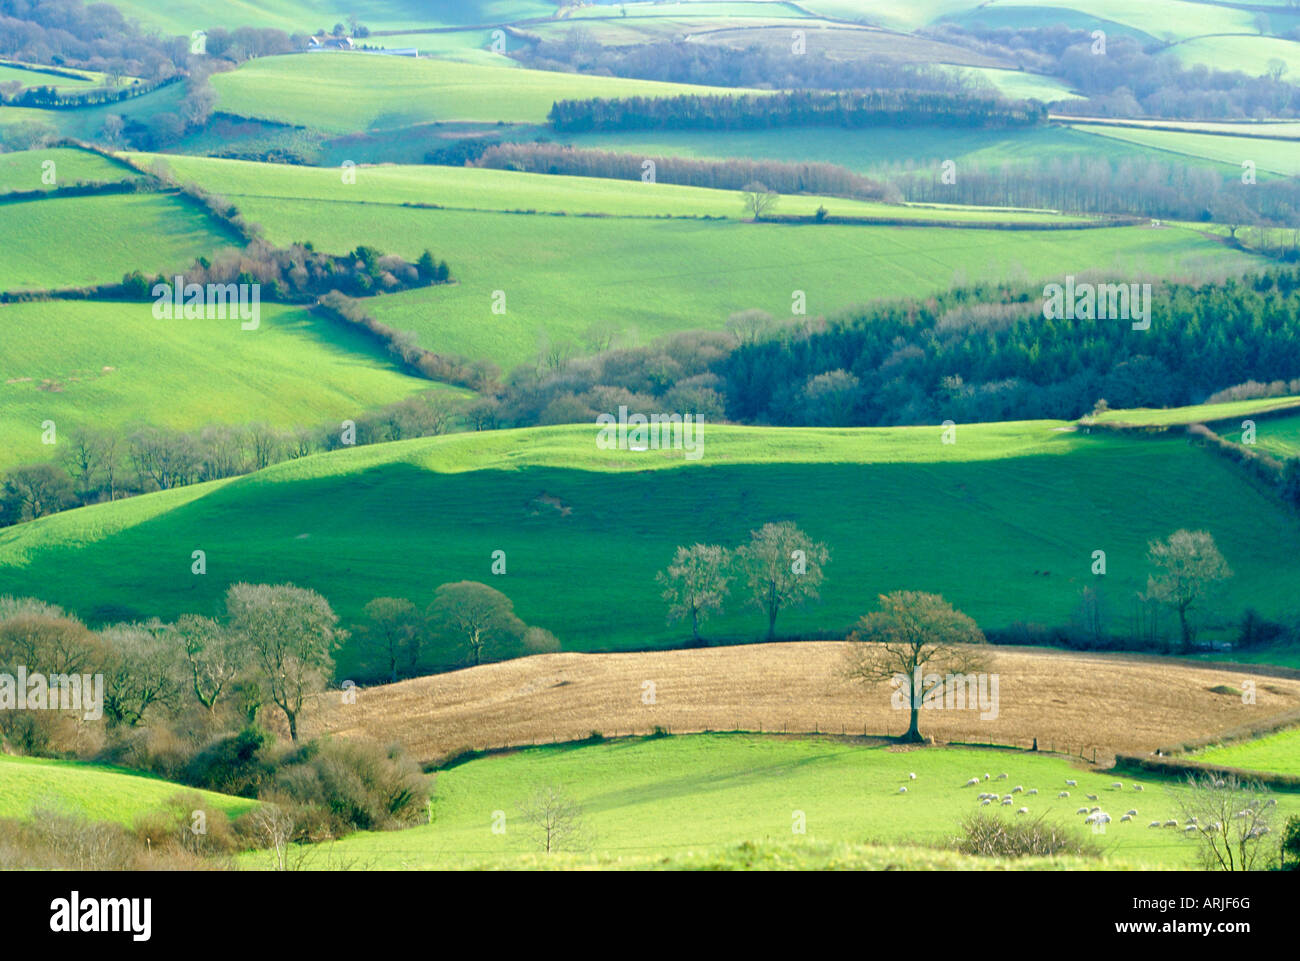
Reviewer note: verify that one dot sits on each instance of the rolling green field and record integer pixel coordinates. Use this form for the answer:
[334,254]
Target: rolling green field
[875,152]
[23,170]
[645,278]
[1276,156]
[97,792]
[306,16]
[100,239]
[347,92]
[469,188]
[35,78]
[581,525]
[1279,437]
[1198,414]
[680,797]
[86,364]
[1276,753]
[1250,55]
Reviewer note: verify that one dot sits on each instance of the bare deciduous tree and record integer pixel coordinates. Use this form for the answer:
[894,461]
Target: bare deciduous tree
[553,820]
[1189,570]
[291,633]
[1234,821]
[782,567]
[917,641]
[759,199]
[695,583]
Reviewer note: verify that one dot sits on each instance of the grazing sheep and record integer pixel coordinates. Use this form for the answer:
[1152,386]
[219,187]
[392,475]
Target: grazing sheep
[1154,824]
[1171,823]
[1094,809]
[1032,790]
[1081,811]
[912,776]
[1022,810]
[1103,818]
[1126,817]
[1064,794]
[1018,787]
[1003,776]
[986,777]
[1132,812]
[1138,787]
[902,790]
[1271,802]
[985,803]
[1240,815]
[1259,831]
[1117,784]
[972,781]
[1007,798]
[1192,819]
[1190,827]
[1069,783]
[1006,802]
[1092,797]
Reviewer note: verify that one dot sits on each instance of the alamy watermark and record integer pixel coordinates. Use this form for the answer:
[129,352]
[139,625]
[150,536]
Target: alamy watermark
[179,300]
[684,432]
[946,692]
[53,692]
[1084,301]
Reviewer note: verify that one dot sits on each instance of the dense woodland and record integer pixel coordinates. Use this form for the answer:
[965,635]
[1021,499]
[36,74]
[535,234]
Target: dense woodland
[981,354]
[856,108]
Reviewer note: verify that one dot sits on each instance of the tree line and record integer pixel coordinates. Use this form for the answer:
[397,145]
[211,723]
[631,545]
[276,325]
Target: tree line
[735,174]
[856,108]
[102,464]
[756,66]
[975,353]
[1122,78]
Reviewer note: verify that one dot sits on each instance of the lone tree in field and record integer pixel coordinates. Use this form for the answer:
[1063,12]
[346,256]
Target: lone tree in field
[915,641]
[1189,571]
[759,199]
[292,633]
[695,583]
[552,819]
[1234,820]
[477,616]
[782,567]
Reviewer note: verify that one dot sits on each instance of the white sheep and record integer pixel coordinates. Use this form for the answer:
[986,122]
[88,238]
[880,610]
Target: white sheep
[972,781]
[1081,811]
[1132,812]
[985,803]
[986,777]
[1008,798]
[1126,817]
[1171,823]
[1007,802]
[1094,809]
[1154,824]
[1138,787]
[1271,802]
[1069,783]
[1018,787]
[1190,827]
[1003,776]
[1022,810]
[902,790]
[1117,785]
[1032,790]
[1192,819]
[1103,818]
[1064,794]
[1092,797]
[911,776]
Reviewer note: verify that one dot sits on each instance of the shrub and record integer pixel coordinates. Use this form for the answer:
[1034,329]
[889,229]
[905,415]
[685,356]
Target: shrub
[990,835]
